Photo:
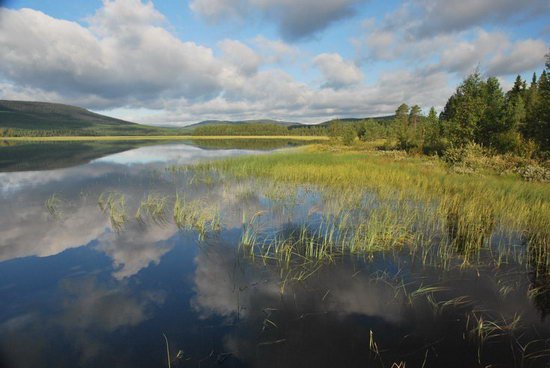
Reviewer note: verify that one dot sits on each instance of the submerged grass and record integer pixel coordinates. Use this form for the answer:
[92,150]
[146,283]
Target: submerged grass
[154,208]
[196,215]
[53,206]
[115,205]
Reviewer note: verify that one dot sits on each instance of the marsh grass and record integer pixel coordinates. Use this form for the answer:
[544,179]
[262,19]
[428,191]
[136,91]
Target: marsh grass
[53,206]
[114,204]
[198,215]
[381,202]
[153,207]
[481,329]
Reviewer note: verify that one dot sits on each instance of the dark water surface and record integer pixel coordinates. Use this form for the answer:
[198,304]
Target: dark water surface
[75,291]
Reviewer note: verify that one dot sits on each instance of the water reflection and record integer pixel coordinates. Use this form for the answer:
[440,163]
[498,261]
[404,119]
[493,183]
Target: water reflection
[75,292]
[27,156]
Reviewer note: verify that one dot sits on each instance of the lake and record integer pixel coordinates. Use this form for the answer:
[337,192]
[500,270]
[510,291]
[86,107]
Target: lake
[125,255]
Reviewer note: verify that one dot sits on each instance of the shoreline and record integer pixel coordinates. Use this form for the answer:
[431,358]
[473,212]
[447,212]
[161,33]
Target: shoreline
[160,137]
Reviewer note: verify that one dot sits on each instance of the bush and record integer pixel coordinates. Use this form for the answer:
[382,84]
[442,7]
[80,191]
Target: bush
[534,172]
[470,156]
[409,139]
[508,142]
[348,136]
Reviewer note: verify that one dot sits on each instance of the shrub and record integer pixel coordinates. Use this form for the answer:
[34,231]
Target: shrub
[348,136]
[534,172]
[471,156]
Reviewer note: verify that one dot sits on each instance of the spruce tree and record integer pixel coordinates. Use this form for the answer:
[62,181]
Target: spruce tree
[465,110]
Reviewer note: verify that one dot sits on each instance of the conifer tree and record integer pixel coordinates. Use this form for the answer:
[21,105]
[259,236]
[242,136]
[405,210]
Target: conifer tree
[414,115]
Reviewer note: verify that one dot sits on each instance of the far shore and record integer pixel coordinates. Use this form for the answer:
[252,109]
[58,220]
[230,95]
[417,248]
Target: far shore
[162,137]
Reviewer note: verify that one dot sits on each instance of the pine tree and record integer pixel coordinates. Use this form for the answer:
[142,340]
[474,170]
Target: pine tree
[541,132]
[402,114]
[532,99]
[414,115]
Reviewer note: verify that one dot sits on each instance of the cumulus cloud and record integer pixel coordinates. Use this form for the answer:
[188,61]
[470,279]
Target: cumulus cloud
[522,56]
[216,10]
[494,52]
[336,71]
[295,19]
[275,51]
[464,56]
[240,55]
[122,57]
[426,18]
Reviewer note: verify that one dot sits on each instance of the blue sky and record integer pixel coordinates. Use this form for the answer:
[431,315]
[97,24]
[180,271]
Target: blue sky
[178,62]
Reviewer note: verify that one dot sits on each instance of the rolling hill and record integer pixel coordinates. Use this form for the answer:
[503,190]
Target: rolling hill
[44,118]
[26,118]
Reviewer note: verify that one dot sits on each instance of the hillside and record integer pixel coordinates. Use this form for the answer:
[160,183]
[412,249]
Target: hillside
[44,118]
[25,118]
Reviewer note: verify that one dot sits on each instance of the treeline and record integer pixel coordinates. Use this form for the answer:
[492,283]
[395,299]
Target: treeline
[242,129]
[11,132]
[479,112]
[257,129]
[363,128]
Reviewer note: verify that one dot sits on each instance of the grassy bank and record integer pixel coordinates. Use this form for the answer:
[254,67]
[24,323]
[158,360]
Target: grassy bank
[157,138]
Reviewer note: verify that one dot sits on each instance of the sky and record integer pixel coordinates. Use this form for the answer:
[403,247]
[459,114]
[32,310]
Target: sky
[175,62]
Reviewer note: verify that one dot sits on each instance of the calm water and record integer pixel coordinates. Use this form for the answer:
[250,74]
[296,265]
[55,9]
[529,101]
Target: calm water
[75,292]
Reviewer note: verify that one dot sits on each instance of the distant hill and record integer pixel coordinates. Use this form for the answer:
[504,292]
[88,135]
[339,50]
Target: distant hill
[25,118]
[44,118]
[241,122]
[386,118]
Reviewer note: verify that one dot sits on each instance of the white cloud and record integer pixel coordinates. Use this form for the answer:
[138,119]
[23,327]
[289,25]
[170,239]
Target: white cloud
[236,53]
[426,18]
[382,45]
[122,57]
[295,19]
[216,10]
[275,51]
[525,55]
[494,53]
[336,71]
[464,56]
